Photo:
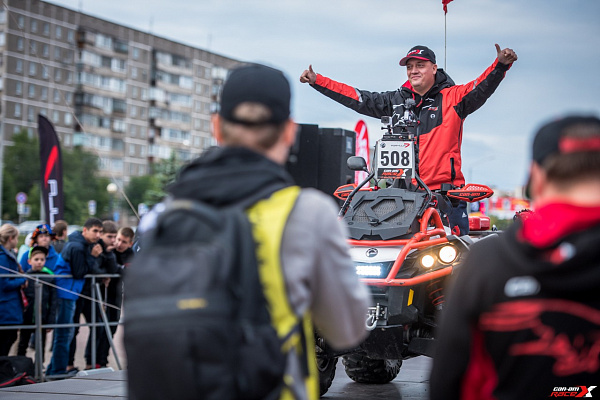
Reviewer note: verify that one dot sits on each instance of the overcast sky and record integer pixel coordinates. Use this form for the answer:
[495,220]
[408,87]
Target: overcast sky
[360,42]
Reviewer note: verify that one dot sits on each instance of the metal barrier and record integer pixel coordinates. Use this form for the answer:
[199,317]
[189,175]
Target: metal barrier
[38,326]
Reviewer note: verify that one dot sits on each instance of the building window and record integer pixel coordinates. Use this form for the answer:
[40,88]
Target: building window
[134,92]
[30,114]
[136,53]
[44,72]
[31,91]
[57,74]
[46,29]
[70,36]
[19,66]
[20,44]
[57,53]
[45,50]
[2,39]
[21,22]
[32,68]
[43,93]
[56,96]
[134,111]
[55,116]
[134,72]
[17,112]
[68,119]
[103,41]
[59,32]
[32,47]
[18,88]
[33,25]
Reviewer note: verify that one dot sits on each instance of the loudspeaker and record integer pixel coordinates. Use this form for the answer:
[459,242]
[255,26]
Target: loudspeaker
[318,158]
[335,146]
[303,160]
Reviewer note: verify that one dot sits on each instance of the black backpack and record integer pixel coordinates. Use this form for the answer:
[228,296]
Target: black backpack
[196,323]
[16,371]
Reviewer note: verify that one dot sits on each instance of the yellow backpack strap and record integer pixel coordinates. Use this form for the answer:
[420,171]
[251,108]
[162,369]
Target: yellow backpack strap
[269,218]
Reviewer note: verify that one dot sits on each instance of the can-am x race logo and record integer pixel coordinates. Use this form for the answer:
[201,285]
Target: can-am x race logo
[572,391]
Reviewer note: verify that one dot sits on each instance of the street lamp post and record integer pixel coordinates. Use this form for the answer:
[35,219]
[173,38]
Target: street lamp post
[112,188]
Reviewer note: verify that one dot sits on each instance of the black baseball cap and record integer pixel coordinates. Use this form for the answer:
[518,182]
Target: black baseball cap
[551,140]
[256,83]
[37,249]
[420,52]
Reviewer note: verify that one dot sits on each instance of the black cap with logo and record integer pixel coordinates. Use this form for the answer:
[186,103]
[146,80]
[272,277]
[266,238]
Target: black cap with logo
[419,52]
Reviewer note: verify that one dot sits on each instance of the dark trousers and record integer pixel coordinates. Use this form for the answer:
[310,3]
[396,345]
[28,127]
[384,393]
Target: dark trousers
[458,218]
[24,341]
[112,315]
[7,338]
[85,307]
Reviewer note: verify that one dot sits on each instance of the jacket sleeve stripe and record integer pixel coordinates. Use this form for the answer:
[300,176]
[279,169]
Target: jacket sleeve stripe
[337,87]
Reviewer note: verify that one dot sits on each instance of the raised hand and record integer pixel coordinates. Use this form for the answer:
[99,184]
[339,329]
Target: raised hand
[308,76]
[506,56]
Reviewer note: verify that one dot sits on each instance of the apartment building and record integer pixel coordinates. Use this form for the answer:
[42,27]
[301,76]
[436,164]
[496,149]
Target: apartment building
[128,96]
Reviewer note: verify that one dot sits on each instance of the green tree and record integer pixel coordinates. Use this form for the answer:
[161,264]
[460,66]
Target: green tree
[82,184]
[80,180]
[21,173]
[138,188]
[165,172]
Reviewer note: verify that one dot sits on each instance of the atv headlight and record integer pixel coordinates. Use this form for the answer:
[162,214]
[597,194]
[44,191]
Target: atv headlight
[427,261]
[448,254]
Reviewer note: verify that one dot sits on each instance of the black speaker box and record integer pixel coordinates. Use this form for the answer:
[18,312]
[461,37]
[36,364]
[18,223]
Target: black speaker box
[335,146]
[318,158]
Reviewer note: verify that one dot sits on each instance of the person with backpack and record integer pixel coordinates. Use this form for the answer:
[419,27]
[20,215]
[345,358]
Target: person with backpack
[238,264]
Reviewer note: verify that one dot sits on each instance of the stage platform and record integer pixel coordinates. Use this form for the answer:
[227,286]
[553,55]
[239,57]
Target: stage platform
[102,386]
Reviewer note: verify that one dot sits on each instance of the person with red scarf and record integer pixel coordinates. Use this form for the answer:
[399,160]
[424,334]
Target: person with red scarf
[522,319]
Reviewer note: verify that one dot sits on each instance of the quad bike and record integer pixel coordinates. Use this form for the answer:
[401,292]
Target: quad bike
[402,250]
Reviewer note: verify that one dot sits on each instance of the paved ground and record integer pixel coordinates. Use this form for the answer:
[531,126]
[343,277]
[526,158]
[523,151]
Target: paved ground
[410,384]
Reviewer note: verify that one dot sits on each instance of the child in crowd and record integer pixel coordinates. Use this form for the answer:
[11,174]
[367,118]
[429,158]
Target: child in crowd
[37,259]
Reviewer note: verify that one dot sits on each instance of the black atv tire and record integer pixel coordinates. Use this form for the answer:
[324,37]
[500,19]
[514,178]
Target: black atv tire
[363,369]
[326,367]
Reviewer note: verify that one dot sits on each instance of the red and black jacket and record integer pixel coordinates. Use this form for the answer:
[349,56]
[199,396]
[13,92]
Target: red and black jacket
[522,320]
[440,112]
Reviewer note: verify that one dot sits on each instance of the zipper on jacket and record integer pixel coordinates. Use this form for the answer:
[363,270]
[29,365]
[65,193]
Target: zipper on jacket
[452,171]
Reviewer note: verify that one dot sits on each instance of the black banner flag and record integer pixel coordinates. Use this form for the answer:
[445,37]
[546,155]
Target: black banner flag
[52,173]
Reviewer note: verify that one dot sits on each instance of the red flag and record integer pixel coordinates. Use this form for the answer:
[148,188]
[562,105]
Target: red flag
[362,148]
[445,3]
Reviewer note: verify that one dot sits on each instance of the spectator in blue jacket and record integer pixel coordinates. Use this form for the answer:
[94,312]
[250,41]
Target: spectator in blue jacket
[78,259]
[10,288]
[41,236]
